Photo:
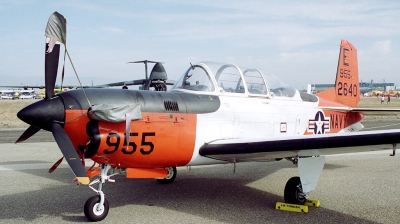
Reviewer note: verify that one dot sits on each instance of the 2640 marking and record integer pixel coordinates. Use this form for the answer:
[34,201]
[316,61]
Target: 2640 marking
[345,89]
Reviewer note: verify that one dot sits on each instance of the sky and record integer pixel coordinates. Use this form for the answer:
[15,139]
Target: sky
[295,40]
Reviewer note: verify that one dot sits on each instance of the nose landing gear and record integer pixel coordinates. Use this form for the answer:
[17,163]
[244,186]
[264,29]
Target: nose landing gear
[96,207]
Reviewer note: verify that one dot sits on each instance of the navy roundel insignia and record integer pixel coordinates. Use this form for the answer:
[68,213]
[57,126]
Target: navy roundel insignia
[320,124]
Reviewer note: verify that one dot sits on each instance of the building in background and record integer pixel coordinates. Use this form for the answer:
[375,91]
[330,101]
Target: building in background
[379,87]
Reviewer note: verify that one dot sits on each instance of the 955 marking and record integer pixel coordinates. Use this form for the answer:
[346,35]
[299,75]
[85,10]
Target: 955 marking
[345,73]
[114,142]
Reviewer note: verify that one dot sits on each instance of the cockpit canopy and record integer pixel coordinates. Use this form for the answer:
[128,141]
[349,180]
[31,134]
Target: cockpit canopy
[229,78]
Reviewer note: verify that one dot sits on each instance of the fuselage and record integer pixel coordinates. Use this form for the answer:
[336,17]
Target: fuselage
[176,124]
[210,102]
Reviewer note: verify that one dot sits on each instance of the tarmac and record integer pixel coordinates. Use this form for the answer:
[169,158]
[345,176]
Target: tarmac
[353,188]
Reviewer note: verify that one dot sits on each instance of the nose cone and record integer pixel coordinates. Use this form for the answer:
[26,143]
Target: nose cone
[44,112]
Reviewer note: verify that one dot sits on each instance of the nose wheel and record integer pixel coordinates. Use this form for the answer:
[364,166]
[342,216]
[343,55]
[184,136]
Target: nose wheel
[94,211]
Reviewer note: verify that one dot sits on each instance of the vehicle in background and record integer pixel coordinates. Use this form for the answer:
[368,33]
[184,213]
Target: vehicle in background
[9,95]
[41,93]
[27,94]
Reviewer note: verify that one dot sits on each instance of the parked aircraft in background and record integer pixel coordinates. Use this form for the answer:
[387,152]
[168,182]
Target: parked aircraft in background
[367,89]
[158,79]
[215,113]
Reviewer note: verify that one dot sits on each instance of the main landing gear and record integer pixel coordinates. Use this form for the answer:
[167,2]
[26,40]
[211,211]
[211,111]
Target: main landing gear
[170,176]
[297,189]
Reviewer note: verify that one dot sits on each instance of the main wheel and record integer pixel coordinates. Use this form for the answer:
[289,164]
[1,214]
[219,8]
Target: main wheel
[294,192]
[170,176]
[91,211]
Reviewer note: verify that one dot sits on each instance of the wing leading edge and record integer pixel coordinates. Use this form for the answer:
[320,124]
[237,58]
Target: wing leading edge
[251,149]
[366,111]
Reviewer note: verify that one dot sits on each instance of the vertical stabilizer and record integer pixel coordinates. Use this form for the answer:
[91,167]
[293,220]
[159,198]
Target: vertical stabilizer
[347,89]
[347,84]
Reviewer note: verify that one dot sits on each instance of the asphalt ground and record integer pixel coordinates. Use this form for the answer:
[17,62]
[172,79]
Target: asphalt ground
[353,188]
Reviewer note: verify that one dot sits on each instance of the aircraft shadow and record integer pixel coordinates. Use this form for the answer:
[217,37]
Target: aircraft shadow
[213,193]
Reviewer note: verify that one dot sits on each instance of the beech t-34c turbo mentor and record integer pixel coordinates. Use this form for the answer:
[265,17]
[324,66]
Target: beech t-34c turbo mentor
[215,113]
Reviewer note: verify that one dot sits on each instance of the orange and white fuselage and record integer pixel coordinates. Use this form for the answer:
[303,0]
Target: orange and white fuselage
[211,101]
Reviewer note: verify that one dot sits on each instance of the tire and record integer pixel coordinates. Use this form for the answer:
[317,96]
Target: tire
[170,176]
[293,192]
[90,209]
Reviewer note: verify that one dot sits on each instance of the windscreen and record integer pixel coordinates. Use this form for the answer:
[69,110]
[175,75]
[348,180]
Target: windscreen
[196,78]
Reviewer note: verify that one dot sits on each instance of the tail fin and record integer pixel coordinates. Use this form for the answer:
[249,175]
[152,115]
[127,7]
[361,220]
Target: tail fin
[347,90]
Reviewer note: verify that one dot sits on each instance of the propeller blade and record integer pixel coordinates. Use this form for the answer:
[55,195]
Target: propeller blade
[50,70]
[28,133]
[69,152]
[56,31]
[54,167]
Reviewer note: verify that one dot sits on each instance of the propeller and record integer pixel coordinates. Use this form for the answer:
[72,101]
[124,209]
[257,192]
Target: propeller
[49,113]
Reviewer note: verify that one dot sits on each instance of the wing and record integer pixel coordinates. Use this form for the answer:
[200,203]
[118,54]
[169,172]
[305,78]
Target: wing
[130,83]
[366,111]
[377,111]
[252,149]
[123,83]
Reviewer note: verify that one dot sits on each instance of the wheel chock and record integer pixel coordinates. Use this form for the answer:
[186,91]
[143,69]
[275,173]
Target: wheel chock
[312,203]
[291,207]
